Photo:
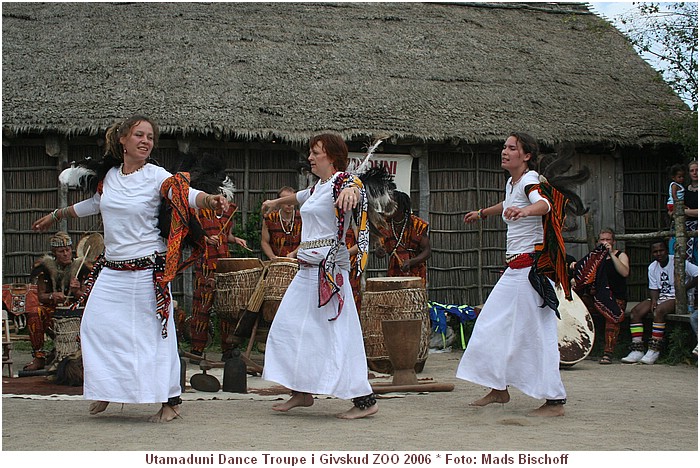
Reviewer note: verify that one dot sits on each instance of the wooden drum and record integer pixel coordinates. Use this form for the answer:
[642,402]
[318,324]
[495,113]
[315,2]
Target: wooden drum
[236,279]
[576,330]
[66,324]
[280,273]
[393,298]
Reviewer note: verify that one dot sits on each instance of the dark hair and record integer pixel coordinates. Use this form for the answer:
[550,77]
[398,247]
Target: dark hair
[335,148]
[660,242]
[675,169]
[529,145]
[403,203]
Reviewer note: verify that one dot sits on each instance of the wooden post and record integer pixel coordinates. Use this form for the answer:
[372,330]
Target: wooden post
[679,255]
[619,198]
[246,188]
[591,238]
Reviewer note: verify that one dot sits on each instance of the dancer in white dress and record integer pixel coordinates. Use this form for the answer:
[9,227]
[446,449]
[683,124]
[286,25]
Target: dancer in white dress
[129,345]
[514,341]
[315,343]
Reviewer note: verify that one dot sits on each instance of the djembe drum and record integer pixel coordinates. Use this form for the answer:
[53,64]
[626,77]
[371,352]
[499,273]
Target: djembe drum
[66,326]
[393,298]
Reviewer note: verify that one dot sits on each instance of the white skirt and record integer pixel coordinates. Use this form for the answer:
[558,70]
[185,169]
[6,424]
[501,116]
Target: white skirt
[515,341]
[125,358]
[306,352]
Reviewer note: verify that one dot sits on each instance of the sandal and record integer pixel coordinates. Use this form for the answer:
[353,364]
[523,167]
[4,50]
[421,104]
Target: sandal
[606,359]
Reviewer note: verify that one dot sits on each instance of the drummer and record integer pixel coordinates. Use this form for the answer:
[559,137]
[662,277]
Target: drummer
[210,176]
[60,281]
[405,240]
[281,229]
[607,295]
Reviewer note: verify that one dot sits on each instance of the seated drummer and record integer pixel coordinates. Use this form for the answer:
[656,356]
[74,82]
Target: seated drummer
[405,240]
[281,229]
[60,280]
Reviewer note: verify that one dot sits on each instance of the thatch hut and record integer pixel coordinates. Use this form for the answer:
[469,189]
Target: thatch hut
[444,83]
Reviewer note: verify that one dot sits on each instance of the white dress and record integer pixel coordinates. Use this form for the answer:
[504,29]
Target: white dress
[515,341]
[125,358]
[305,351]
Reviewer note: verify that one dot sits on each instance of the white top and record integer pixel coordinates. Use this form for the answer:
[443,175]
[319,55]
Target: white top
[662,279]
[319,222]
[523,233]
[318,211]
[680,193]
[129,206]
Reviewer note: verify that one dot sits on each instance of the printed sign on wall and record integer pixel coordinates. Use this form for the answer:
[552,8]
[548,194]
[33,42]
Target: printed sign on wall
[398,165]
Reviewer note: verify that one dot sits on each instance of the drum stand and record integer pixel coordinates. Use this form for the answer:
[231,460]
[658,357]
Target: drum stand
[402,341]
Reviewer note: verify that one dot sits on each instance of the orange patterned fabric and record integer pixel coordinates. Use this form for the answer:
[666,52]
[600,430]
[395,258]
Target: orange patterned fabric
[179,184]
[551,254]
[405,248]
[281,242]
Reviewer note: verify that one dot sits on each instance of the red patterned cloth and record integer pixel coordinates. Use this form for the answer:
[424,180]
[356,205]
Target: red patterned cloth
[281,242]
[204,269]
[405,248]
[551,254]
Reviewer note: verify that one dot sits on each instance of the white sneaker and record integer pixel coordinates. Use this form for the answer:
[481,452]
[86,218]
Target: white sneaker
[632,357]
[695,351]
[650,357]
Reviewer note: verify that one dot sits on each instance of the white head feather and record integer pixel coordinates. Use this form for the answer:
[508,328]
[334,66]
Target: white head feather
[365,162]
[227,188]
[75,176]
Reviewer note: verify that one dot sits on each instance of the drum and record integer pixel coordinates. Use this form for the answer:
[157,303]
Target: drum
[393,298]
[90,246]
[576,329]
[280,273]
[236,279]
[67,329]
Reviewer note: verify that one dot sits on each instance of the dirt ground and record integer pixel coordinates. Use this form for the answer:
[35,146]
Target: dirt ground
[610,408]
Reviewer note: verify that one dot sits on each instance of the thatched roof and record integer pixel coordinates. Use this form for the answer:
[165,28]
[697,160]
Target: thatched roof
[425,71]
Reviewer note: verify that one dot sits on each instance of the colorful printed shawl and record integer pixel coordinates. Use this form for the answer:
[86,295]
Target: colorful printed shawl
[550,256]
[329,279]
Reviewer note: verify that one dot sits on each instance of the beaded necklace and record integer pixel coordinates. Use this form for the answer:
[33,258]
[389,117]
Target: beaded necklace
[291,226]
[123,174]
[403,229]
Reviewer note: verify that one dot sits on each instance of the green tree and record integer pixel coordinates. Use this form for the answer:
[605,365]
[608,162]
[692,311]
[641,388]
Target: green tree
[668,32]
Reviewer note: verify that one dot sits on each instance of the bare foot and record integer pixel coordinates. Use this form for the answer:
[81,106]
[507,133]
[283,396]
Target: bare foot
[166,414]
[357,413]
[98,406]
[494,396]
[297,399]
[548,411]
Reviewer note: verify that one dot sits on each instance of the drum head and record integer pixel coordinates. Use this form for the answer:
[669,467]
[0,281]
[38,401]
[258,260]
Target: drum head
[576,329]
[393,283]
[90,246]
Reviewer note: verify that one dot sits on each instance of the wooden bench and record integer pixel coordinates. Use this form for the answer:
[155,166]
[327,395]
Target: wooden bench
[669,317]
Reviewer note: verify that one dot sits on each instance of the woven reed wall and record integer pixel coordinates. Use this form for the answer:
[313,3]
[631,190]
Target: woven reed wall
[466,259]
[645,193]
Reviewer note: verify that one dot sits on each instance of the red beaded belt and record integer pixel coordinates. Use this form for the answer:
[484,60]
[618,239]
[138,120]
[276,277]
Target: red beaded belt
[523,260]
